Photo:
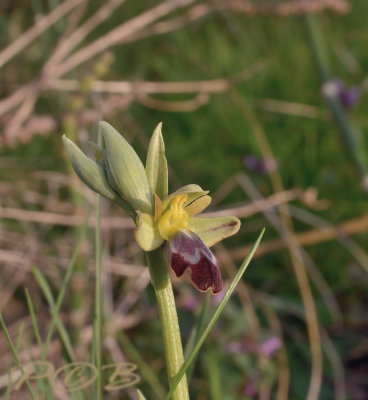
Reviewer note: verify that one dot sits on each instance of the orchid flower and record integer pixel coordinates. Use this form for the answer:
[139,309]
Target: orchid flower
[119,175]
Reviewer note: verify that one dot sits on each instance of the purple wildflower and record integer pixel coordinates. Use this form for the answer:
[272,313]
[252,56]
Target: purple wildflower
[261,166]
[250,390]
[349,96]
[270,346]
[251,162]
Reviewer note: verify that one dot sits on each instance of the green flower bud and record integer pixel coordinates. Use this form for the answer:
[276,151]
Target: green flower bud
[156,164]
[89,172]
[126,169]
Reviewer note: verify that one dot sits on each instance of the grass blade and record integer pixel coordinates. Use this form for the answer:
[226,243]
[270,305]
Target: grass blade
[46,290]
[33,318]
[97,320]
[196,332]
[59,300]
[15,355]
[45,384]
[158,391]
[216,315]
[17,344]
[214,377]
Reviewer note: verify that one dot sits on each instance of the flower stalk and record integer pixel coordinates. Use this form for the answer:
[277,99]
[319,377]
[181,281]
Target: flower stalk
[169,320]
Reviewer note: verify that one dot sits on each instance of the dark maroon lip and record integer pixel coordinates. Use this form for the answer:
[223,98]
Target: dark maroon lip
[188,251]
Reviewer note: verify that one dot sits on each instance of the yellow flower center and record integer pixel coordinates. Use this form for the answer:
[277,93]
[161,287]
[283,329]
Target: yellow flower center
[174,219]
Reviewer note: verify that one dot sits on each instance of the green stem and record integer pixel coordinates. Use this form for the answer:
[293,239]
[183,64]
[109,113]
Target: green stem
[169,320]
[97,323]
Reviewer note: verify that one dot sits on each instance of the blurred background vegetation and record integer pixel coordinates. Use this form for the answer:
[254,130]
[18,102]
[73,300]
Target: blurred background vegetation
[241,87]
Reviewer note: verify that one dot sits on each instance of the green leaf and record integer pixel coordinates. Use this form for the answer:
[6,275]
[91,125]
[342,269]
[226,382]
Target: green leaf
[156,164]
[127,169]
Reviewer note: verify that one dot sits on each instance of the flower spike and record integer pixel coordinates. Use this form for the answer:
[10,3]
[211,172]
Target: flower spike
[119,175]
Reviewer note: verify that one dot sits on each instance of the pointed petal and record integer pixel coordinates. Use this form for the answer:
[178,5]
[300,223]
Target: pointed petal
[198,205]
[188,250]
[192,187]
[212,230]
[146,233]
[126,169]
[156,164]
[193,191]
[89,172]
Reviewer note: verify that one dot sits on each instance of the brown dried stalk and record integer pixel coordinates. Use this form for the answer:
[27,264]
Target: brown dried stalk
[293,7]
[147,23]
[293,247]
[309,237]
[67,44]
[36,30]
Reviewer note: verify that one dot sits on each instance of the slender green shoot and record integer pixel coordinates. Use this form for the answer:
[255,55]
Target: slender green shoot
[15,355]
[214,375]
[46,290]
[17,344]
[34,319]
[60,298]
[196,332]
[44,383]
[97,320]
[158,391]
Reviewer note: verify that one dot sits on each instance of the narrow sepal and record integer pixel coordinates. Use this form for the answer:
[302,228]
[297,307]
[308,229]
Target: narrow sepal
[213,229]
[146,233]
[126,169]
[156,164]
[188,251]
[89,172]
